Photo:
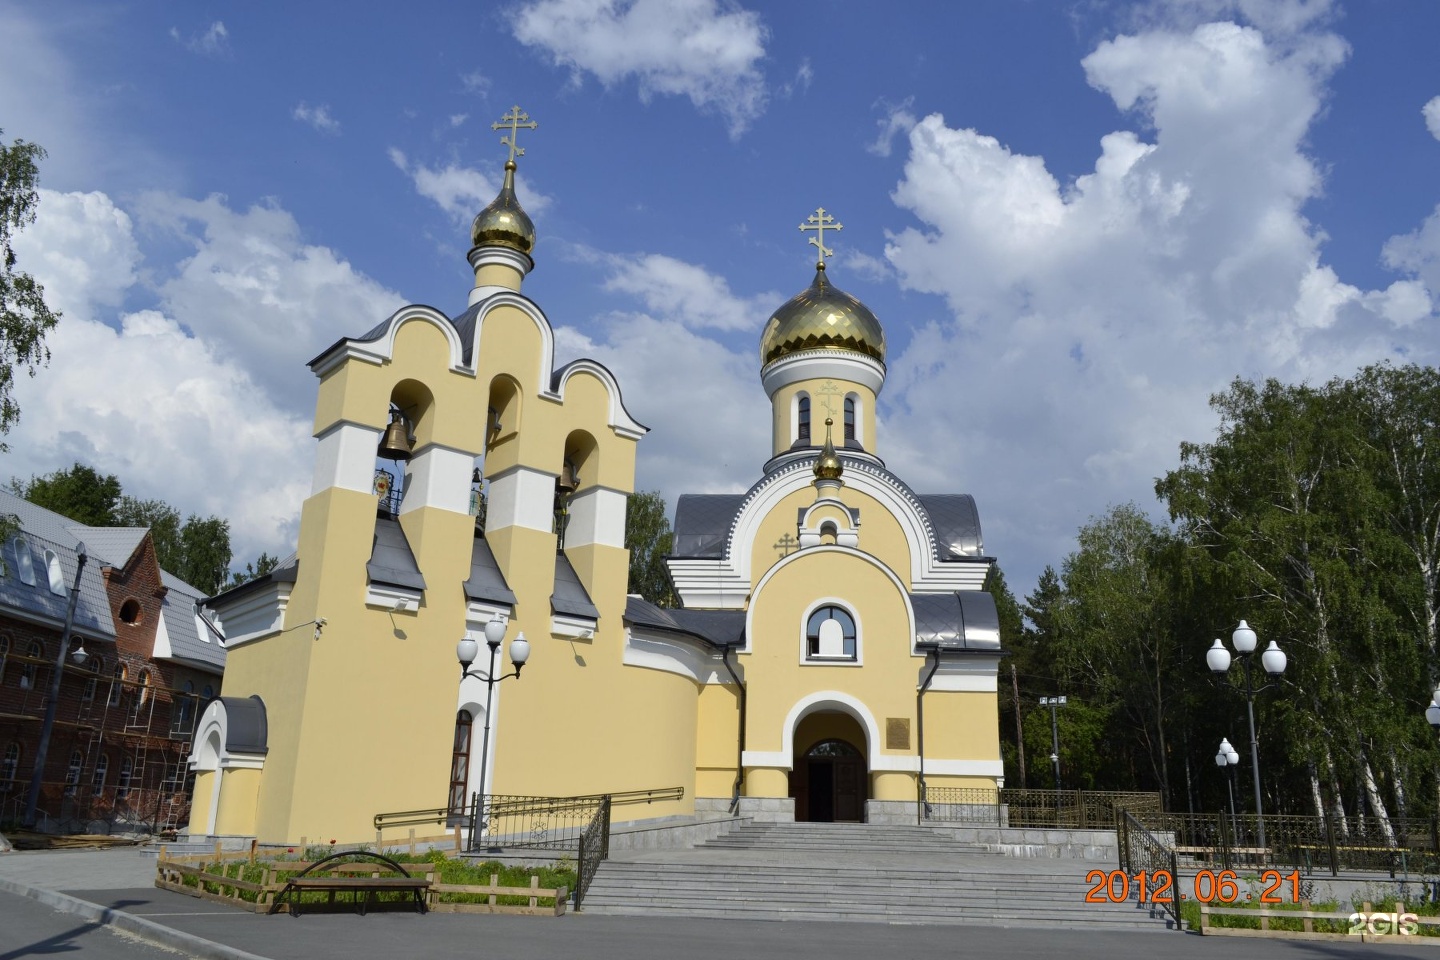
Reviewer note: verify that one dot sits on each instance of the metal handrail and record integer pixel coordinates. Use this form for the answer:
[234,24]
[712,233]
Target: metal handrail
[1142,850]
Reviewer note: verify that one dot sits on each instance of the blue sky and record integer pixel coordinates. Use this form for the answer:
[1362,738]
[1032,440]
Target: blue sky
[1076,221]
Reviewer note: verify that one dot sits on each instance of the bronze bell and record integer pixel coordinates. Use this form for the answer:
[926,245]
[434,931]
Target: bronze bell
[568,480]
[395,445]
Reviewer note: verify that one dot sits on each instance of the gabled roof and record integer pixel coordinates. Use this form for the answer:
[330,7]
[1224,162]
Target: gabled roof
[39,602]
[570,598]
[111,546]
[702,523]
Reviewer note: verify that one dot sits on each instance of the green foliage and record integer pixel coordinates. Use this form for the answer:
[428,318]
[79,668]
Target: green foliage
[261,566]
[24,317]
[648,538]
[81,493]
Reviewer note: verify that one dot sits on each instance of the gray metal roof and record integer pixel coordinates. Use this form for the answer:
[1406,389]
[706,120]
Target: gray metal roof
[44,529]
[719,627]
[187,641]
[112,546]
[247,727]
[392,562]
[487,582]
[957,524]
[570,598]
[964,620]
[702,523]
[465,326]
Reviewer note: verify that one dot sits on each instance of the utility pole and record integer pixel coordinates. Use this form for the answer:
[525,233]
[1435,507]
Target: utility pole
[1019,728]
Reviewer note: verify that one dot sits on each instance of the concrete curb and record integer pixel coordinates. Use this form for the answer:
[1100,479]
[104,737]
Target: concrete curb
[137,926]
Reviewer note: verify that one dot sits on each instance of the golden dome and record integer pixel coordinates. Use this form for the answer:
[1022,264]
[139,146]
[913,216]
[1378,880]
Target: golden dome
[822,316]
[828,467]
[504,223]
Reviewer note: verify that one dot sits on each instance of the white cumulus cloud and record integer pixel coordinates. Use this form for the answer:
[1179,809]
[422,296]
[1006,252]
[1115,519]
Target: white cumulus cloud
[462,191]
[1431,111]
[318,117]
[705,50]
[213,41]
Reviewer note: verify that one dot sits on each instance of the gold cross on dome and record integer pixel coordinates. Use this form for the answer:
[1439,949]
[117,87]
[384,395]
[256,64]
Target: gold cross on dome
[820,221]
[516,120]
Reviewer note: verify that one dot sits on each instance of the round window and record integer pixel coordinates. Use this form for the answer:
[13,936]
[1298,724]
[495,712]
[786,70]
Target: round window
[130,612]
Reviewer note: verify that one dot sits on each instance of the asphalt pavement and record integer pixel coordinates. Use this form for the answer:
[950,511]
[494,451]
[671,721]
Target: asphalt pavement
[116,893]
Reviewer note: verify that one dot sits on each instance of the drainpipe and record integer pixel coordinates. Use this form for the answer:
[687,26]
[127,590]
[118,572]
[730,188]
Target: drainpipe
[932,655]
[740,746]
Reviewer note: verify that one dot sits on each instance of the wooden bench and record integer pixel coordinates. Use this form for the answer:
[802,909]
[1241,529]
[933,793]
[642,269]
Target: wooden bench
[361,888]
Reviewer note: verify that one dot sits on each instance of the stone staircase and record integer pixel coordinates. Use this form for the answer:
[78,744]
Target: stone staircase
[858,873]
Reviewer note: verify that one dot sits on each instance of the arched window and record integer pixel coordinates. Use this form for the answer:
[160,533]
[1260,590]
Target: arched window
[55,575]
[30,672]
[460,761]
[802,420]
[72,773]
[117,684]
[185,709]
[209,693]
[849,419]
[4,655]
[122,786]
[92,683]
[24,562]
[97,782]
[830,634]
[142,697]
[10,768]
[833,748]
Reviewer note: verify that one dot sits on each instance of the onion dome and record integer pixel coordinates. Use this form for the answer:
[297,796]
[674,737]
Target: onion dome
[504,223]
[828,468]
[822,317]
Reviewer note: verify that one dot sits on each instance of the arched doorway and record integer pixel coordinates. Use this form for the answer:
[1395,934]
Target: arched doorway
[829,780]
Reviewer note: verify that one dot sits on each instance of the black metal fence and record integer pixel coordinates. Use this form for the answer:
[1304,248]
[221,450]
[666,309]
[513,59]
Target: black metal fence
[1141,849]
[1397,845]
[1062,809]
[594,847]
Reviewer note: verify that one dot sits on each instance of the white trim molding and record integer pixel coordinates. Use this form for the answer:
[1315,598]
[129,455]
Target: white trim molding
[823,364]
[345,457]
[254,615]
[968,674]
[386,596]
[522,497]
[572,628]
[382,350]
[666,652]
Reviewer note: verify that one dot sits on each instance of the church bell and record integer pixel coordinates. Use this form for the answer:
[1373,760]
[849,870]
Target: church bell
[568,480]
[396,444]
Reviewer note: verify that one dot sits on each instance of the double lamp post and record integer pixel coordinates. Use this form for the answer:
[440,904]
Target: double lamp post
[1218,658]
[466,651]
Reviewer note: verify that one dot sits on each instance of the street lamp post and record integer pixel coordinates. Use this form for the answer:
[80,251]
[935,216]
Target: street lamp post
[1226,760]
[32,797]
[1052,703]
[466,651]
[1273,660]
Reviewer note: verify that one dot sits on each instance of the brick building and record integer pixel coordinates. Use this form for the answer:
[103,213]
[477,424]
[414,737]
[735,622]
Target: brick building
[128,705]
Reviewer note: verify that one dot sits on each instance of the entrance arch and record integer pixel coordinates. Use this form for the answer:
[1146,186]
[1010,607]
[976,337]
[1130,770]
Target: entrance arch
[829,779]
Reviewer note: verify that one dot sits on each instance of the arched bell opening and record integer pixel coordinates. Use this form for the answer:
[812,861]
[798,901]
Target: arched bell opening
[411,423]
[829,780]
[579,464]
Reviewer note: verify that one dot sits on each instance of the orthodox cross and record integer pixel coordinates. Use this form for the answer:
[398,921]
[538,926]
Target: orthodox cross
[820,221]
[828,390]
[787,545]
[516,120]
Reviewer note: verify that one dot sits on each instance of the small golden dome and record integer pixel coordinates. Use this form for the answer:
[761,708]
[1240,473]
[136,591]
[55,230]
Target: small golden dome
[828,468]
[504,223]
[822,316]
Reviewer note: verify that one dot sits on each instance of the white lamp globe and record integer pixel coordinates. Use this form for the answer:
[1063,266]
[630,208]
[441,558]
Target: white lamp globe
[1432,713]
[1273,660]
[1217,657]
[465,651]
[1220,760]
[1243,638]
[519,650]
[494,631]
[1231,757]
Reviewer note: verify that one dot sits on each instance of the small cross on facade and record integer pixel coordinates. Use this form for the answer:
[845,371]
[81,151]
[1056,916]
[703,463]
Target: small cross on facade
[820,221]
[828,390]
[787,545]
[516,120]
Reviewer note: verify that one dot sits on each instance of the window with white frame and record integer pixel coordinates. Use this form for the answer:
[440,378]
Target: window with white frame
[830,634]
[10,768]
[72,773]
[102,768]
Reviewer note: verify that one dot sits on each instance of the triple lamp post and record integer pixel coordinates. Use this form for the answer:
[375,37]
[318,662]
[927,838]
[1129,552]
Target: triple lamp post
[1273,660]
[1226,760]
[466,651]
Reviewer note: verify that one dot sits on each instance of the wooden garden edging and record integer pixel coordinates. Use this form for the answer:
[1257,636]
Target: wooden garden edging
[1308,918]
[171,872]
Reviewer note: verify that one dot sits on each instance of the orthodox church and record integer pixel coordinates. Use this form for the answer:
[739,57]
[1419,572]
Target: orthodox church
[834,653]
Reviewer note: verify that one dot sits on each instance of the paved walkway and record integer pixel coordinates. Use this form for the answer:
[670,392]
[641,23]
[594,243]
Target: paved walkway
[114,887]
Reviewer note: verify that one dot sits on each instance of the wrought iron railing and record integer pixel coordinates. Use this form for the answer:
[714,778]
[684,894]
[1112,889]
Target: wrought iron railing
[1072,809]
[503,821]
[1398,845]
[1140,849]
[594,848]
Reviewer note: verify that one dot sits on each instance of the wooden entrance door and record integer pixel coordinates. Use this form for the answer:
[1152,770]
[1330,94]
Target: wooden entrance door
[832,784]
